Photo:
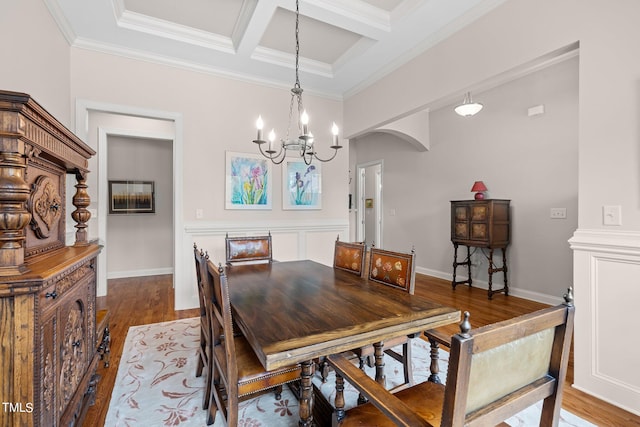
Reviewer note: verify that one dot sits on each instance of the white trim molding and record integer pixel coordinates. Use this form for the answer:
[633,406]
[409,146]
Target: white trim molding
[140,273]
[607,291]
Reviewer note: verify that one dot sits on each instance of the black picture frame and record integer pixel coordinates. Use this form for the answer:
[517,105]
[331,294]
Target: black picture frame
[131,197]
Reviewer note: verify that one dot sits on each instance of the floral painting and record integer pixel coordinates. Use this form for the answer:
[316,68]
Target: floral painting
[301,185]
[248,183]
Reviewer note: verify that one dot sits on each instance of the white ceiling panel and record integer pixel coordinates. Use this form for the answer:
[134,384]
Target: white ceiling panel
[345,45]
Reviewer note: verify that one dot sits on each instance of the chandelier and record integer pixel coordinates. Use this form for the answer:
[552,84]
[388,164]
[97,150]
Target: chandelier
[303,144]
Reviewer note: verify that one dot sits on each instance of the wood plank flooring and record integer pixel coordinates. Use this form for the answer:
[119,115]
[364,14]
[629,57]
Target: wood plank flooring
[138,301]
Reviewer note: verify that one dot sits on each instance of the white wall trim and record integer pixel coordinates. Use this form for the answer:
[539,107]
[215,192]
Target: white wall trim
[140,273]
[606,241]
[481,284]
[212,228]
[606,268]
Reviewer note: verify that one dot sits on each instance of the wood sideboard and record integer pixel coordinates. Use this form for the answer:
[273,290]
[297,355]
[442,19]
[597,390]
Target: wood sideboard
[481,224]
[48,355]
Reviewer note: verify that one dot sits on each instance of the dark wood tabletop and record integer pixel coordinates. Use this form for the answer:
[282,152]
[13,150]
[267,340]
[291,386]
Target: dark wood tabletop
[299,310]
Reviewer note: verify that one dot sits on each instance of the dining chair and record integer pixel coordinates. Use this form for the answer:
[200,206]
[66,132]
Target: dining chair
[204,354]
[495,372]
[237,372]
[349,256]
[397,270]
[245,249]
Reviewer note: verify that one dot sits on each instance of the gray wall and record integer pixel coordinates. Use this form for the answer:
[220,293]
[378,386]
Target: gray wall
[141,244]
[530,160]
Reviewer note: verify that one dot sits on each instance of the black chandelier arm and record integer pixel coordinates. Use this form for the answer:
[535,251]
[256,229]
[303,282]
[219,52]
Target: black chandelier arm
[335,153]
[270,156]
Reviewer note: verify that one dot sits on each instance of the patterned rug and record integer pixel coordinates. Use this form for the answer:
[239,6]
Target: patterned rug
[156,384]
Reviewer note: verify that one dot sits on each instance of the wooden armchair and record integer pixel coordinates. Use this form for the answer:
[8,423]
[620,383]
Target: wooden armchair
[349,256]
[237,372]
[204,350]
[248,249]
[494,372]
[395,269]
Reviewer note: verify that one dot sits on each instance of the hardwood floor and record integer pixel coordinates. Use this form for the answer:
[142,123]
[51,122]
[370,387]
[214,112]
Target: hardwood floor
[144,300]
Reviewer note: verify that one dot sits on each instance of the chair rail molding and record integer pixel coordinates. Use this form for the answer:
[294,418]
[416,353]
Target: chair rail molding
[606,265]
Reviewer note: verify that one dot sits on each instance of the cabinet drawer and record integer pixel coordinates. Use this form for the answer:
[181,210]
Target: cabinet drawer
[56,291]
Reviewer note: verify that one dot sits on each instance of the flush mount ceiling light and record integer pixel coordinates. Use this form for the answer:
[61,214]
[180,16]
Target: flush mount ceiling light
[304,143]
[468,107]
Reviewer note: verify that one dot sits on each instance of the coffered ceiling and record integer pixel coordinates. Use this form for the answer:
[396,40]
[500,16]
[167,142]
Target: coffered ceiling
[345,45]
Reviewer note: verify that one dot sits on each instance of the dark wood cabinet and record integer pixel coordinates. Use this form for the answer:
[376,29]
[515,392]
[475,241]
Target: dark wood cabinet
[482,224]
[48,355]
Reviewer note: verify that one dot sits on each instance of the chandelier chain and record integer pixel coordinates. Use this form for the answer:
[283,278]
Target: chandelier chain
[303,143]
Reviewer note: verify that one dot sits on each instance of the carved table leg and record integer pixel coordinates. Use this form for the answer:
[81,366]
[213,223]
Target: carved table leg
[306,394]
[433,367]
[378,355]
[361,399]
[339,401]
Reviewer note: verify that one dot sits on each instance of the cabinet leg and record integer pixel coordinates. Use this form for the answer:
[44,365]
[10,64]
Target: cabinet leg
[466,262]
[504,270]
[493,269]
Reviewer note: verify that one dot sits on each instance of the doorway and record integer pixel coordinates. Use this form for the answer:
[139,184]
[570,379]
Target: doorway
[116,120]
[369,203]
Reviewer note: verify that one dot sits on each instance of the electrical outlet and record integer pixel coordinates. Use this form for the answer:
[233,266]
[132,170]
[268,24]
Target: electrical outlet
[558,213]
[199,213]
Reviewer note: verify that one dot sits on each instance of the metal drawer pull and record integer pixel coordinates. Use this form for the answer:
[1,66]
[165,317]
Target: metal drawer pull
[53,295]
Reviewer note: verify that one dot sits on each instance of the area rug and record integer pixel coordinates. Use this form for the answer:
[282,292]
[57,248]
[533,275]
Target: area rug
[156,384]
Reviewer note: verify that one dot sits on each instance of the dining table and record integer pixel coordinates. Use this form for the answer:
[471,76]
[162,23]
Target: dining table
[300,311]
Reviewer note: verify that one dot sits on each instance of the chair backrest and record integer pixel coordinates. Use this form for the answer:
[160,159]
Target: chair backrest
[248,249]
[395,269]
[349,256]
[200,260]
[222,327]
[498,370]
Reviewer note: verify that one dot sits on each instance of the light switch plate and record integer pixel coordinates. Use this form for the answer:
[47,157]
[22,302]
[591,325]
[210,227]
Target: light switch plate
[612,215]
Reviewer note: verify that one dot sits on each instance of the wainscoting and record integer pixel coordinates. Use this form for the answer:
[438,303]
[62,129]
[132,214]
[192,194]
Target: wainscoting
[607,294]
[292,240]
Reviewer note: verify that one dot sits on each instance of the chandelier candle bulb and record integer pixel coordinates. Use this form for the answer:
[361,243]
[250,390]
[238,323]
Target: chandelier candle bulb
[272,137]
[334,131]
[304,119]
[259,125]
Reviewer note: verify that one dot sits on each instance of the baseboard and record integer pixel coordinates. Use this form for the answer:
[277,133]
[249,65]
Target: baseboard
[481,284]
[139,273]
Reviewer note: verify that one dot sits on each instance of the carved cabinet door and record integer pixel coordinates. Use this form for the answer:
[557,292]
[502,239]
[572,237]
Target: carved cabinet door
[73,345]
[48,369]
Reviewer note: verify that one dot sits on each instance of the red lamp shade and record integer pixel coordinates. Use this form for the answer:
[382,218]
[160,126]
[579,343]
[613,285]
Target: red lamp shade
[479,187]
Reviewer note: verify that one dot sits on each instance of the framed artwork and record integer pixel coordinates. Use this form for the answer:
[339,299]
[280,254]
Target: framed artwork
[248,181]
[129,197]
[301,185]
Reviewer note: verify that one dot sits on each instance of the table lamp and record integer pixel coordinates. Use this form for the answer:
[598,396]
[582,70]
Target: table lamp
[479,188]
